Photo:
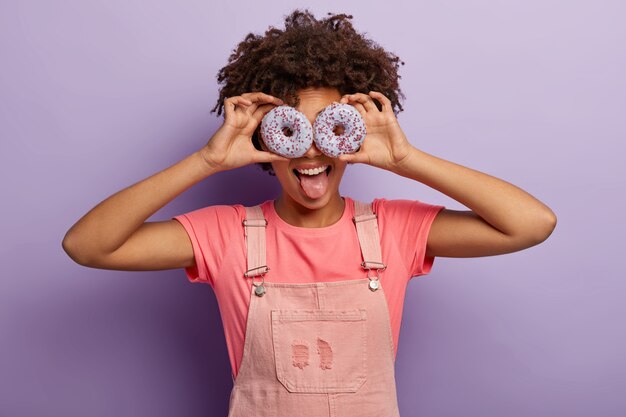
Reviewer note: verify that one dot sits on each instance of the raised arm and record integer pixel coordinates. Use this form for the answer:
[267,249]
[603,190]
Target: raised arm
[115,235]
[503,218]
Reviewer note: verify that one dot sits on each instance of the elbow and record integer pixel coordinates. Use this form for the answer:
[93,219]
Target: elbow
[72,248]
[537,231]
[545,226]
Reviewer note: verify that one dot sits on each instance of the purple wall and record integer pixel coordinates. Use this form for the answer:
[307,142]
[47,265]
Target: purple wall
[98,95]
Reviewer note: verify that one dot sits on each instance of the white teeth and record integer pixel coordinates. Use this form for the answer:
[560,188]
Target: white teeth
[314,171]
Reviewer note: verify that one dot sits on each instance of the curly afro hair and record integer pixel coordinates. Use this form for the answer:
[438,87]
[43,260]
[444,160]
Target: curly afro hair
[309,53]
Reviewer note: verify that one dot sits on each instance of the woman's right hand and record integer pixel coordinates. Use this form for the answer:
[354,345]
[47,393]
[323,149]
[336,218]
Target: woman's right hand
[231,145]
[115,234]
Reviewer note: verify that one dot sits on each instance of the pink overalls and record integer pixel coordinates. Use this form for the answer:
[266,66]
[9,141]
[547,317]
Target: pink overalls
[318,349]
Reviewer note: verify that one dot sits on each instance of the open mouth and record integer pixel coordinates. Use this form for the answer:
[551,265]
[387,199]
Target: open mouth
[297,174]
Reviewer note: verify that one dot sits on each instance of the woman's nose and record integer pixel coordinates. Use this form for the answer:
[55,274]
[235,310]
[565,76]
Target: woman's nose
[313,151]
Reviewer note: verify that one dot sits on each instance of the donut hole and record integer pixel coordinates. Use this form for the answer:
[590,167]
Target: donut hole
[339,130]
[287,131]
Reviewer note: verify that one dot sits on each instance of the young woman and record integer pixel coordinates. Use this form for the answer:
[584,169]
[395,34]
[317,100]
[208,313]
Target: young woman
[310,286]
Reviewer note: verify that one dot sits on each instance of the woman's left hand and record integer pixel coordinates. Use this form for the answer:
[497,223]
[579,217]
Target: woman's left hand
[385,145]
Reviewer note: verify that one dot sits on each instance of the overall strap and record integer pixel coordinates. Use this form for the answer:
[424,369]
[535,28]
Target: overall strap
[254,228]
[367,230]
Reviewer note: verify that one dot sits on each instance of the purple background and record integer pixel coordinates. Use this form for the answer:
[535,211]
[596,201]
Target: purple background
[98,95]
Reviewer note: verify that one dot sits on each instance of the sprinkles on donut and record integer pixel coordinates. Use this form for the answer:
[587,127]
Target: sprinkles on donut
[273,134]
[322,132]
[346,116]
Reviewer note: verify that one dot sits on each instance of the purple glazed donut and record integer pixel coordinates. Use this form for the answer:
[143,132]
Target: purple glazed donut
[279,118]
[339,114]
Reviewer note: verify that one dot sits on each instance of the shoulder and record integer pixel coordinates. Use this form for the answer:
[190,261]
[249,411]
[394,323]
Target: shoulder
[220,214]
[403,207]
[403,216]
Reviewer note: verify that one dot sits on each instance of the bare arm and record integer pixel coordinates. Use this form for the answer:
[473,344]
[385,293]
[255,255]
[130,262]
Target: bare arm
[115,235]
[504,218]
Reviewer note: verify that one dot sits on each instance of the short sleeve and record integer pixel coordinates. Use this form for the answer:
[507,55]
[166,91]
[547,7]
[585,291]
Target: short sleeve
[409,221]
[209,229]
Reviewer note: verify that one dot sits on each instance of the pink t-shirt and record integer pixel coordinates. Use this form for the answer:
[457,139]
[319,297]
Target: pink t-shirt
[300,254]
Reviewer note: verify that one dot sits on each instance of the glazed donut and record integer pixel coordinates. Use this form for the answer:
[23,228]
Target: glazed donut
[279,118]
[346,116]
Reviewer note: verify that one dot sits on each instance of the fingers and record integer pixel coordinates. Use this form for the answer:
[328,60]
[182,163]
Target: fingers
[365,102]
[264,156]
[261,111]
[250,101]
[265,98]
[354,158]
[231,102]
[360,108]
[348,99]
[258,97]
[382,99]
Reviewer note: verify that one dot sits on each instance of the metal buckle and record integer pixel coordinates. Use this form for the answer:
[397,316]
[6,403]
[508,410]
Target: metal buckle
[374,284]
[365,217]
[245,274]
[245,221]
[373,262]
[259,288]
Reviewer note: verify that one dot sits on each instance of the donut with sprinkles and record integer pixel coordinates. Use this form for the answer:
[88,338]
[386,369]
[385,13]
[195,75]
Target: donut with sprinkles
[282,120]
[346,116]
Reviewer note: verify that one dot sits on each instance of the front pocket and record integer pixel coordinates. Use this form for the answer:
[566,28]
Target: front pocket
[320,351]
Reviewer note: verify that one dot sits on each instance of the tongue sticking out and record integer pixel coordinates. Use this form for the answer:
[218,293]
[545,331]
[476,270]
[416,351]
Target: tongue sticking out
[314,186]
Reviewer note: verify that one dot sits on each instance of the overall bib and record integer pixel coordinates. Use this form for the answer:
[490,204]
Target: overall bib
[316,349]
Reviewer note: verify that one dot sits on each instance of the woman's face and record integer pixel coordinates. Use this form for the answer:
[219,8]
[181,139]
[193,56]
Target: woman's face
[312,192]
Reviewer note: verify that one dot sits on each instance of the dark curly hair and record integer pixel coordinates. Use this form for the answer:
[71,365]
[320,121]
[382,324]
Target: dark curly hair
[309,53]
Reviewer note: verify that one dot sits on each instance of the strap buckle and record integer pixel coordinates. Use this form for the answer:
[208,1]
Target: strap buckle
[374,283]
[245,274]
[364,217]
[245,222]
[363,264]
